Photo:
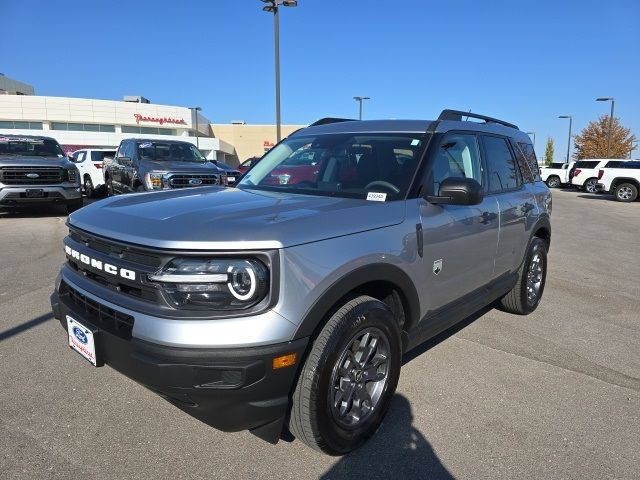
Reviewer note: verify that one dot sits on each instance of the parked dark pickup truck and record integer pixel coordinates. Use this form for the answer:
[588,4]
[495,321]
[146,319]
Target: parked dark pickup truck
[141,165]
[34,169]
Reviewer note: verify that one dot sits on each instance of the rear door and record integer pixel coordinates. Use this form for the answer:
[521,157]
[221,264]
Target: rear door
[516,201]
[459,241]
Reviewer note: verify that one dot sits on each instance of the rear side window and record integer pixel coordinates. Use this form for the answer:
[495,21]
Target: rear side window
[614,164]
[528,162]
[586,164]
[458,156]
[556,165]
[98,156]
[635,165]
[502,172]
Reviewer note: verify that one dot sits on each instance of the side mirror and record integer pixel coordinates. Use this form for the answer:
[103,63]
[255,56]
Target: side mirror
[458,191]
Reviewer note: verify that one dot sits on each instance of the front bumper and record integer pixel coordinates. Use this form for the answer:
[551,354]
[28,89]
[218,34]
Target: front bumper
[16,195]
[231,389]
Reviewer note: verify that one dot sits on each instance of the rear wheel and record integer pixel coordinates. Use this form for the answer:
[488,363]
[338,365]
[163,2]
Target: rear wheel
[525,296]
[553,182]
[626,192]
[89,191]
[348,379]
[590,185]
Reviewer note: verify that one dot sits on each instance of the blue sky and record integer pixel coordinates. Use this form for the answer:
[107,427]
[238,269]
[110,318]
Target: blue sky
[526,62]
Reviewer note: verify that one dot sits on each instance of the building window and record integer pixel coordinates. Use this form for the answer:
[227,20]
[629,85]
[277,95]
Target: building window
[148,130]
[21,125]
[83,127]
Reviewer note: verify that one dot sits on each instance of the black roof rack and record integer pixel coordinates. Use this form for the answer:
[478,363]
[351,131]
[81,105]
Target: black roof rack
[327,120]
[456,116]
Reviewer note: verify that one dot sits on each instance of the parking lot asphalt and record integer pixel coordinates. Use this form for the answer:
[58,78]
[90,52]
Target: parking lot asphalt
[552,395]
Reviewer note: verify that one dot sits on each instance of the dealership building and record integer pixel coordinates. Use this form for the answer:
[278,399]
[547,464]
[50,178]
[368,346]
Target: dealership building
[80,123]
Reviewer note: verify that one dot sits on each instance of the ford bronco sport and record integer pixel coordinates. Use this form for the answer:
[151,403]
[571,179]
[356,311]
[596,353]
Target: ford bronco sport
[286,307]
[35,170]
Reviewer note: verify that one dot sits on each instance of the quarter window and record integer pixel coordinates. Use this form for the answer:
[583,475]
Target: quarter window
[458,156]
[502,171]
[528,162]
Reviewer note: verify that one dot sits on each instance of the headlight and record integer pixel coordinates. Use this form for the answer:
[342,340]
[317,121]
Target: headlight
[72,175]
[155,180]
[214,284]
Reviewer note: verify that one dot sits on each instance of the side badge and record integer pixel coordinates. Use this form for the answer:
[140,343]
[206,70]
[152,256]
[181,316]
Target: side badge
[437,267]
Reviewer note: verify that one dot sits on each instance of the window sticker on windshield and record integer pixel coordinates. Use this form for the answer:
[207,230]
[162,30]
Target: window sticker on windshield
[377,197]
[145,145]
[415,142]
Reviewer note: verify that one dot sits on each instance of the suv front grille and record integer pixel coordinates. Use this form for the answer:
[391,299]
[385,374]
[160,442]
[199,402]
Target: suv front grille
[181,180]
[32,175]
[106,318]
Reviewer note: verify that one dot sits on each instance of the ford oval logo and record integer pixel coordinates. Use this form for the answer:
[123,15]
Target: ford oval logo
[79,334]
[32,175]
[195,181]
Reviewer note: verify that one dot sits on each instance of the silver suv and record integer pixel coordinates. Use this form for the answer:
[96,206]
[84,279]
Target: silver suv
[284,305]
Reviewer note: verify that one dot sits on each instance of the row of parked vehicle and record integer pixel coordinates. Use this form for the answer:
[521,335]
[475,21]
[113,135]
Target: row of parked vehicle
[140,165]
[619,177]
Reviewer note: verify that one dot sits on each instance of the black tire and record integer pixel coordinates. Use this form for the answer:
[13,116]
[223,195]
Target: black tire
[590,185]
[109,184]
[89,191]
[518,300]
[626,192]
[314,419]
[553,181]
[74,205]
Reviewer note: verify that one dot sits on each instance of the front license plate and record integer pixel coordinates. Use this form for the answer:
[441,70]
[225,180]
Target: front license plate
[34,193]
[231,179]
[81,339]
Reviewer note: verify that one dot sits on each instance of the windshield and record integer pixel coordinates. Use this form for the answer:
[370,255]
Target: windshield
[364,165]
[25,146]
[170,152]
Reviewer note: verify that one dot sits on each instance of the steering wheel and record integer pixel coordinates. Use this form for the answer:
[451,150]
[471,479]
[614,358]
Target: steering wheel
[383,184]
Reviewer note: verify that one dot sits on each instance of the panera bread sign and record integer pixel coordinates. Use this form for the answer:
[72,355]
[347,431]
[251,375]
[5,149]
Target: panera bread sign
[160,120]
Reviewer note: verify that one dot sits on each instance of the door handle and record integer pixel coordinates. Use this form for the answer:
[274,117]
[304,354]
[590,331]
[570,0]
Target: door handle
[487,217]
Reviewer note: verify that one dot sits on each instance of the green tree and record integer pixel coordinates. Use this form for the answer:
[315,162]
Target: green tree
[548,152]
[591,142]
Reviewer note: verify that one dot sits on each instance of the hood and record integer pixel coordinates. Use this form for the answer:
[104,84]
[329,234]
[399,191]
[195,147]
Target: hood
[177,167]
[26,161]
[213,218]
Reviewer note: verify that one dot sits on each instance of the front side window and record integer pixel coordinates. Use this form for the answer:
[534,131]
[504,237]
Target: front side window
[458,156]
[502,171]
[349,165]
[169,152]
[98,155]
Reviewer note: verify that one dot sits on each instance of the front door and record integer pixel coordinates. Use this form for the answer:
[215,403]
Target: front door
[459,241]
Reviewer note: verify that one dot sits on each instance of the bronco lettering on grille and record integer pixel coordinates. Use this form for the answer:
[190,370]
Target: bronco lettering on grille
[100,265]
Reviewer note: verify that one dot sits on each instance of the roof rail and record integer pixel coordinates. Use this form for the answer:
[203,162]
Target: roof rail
[327,120]
[456,116]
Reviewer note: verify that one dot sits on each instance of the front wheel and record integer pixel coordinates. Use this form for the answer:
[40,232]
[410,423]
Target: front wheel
[525,296]
[626,192]
[348,379]
[89,191]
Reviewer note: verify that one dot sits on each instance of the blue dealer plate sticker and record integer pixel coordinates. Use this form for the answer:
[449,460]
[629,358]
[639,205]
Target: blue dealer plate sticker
[81,339]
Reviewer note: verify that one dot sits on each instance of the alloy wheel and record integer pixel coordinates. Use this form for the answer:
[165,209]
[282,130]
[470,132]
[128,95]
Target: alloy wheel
[534,278]
[359,378]
[590,186]
[625,193]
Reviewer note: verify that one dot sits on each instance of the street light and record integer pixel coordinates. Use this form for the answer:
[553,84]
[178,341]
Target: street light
[359,100]
[606,99]
[272,6]
[534,138]
[568,141]
[194,111]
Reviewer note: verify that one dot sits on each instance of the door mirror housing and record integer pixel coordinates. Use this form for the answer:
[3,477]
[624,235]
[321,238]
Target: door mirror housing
[458,191]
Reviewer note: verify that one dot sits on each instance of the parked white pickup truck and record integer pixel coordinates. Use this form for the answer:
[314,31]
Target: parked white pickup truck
[557,174]
[623,182]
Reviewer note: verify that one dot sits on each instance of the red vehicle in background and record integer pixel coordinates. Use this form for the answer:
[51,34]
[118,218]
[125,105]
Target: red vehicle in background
[248,163]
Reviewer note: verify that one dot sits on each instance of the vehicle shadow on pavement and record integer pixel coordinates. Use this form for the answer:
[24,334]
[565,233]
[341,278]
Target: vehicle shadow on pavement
[25,326]
[397,450]
[601,196]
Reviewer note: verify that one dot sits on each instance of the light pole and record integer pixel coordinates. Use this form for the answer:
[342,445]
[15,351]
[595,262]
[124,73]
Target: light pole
[360,100]
[194,111]
[534,138]
[569,140]
[606,99]
[273,6]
